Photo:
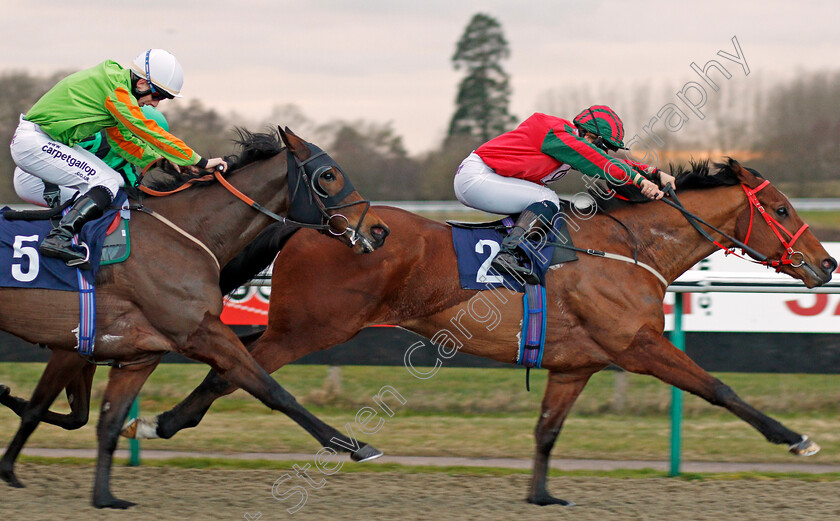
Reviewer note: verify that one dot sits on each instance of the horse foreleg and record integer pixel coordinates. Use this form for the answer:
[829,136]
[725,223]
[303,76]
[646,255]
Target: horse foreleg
[214,343]
[78,392]
[560,394]
[189,412]
[650,353]
[58,372]
[186,414]
[123,385]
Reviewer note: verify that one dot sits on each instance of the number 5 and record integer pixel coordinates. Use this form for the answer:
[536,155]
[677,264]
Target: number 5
[21,251]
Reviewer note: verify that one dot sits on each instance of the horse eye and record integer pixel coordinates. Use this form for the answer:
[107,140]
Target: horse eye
[328,176]
[782,211]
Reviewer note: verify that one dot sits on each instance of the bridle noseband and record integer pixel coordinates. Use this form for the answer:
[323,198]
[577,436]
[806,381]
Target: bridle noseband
[786,258]
[310,208]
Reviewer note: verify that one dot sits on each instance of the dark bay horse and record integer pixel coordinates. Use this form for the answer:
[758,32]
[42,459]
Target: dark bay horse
[602,311]
[166,296]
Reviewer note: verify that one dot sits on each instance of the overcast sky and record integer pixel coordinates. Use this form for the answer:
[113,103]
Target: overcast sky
[390,60]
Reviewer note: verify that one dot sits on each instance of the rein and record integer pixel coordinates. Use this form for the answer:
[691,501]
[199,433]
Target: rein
[317,198]
[785,259]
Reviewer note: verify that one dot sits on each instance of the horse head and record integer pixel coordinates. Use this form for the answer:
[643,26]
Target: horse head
[320,193]
[770,225]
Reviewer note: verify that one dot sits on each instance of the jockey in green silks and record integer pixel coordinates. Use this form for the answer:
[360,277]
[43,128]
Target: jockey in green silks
[106,97]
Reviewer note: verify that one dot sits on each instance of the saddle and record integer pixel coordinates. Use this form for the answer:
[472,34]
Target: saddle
[108,235]
[563,246]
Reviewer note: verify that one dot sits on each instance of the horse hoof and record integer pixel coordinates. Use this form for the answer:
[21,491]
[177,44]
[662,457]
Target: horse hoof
[547,499]
[9,477]
[140,429]
[366,453]
[112,502]
[130,429]
[805,447]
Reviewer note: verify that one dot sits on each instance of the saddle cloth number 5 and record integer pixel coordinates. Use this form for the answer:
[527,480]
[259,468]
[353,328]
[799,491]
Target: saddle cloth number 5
[482,277]
[21,251]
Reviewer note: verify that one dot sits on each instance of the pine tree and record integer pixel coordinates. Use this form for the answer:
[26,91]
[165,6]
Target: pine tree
[483,95]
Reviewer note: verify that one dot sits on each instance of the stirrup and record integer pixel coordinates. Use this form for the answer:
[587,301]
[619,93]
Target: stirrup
[80,263]
[74,262]
[502,267]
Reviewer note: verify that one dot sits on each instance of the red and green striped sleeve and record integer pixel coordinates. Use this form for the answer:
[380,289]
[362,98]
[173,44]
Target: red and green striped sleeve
[128,114]
[566,146]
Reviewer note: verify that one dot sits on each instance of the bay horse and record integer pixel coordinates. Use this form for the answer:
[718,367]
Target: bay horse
[601,311]
[165,297]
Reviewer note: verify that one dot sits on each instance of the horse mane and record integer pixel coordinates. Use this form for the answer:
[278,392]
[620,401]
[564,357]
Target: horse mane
[254,146]
[698,174]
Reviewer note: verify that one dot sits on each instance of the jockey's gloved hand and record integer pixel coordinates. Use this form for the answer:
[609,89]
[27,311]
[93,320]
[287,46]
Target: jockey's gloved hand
[215,162]
[667,179]
[650,190]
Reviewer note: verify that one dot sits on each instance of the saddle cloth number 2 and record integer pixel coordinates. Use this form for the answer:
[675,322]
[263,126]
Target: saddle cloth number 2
[482,277]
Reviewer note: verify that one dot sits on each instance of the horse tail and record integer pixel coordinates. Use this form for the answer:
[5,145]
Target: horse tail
[256,257]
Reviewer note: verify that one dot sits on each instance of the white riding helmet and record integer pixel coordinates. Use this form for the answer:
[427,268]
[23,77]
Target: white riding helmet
[161,69]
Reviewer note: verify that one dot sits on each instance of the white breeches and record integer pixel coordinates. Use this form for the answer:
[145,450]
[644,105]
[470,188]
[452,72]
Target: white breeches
[479,186]
[40,157]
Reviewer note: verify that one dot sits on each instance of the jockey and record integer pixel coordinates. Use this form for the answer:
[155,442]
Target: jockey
[508,174]
[105,97]
[35,191]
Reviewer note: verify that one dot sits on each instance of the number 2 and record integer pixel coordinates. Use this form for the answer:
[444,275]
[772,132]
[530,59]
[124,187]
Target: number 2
[482,276]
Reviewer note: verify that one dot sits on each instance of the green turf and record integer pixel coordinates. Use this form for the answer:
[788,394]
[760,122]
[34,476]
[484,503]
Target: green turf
[822,219]
[473,413]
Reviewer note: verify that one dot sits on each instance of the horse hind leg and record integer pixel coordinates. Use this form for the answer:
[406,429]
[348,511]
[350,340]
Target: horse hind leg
[650,353]
[214,343]
[58,372]
[78,394]
[560,394]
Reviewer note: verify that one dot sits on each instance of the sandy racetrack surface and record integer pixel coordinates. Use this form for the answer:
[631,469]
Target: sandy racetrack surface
[63,492]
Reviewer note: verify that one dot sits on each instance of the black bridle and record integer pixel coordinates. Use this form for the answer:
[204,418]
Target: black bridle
[310,207]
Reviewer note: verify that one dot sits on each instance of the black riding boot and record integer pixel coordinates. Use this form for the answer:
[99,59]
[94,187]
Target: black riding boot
[510,258]
[58,243]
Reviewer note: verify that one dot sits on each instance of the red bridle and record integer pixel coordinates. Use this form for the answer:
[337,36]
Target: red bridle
[787,256]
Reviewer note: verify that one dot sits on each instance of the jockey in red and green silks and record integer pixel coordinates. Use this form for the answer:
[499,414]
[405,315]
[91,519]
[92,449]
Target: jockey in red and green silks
[508,174]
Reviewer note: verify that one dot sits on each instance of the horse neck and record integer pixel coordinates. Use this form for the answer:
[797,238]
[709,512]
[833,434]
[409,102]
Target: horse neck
[219,219]
[672,244]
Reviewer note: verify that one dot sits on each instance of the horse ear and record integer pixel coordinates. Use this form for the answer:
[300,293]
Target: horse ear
[743,175]
[295,144]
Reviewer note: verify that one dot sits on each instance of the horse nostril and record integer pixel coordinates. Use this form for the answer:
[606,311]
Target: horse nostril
[380,232]
[829,265]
